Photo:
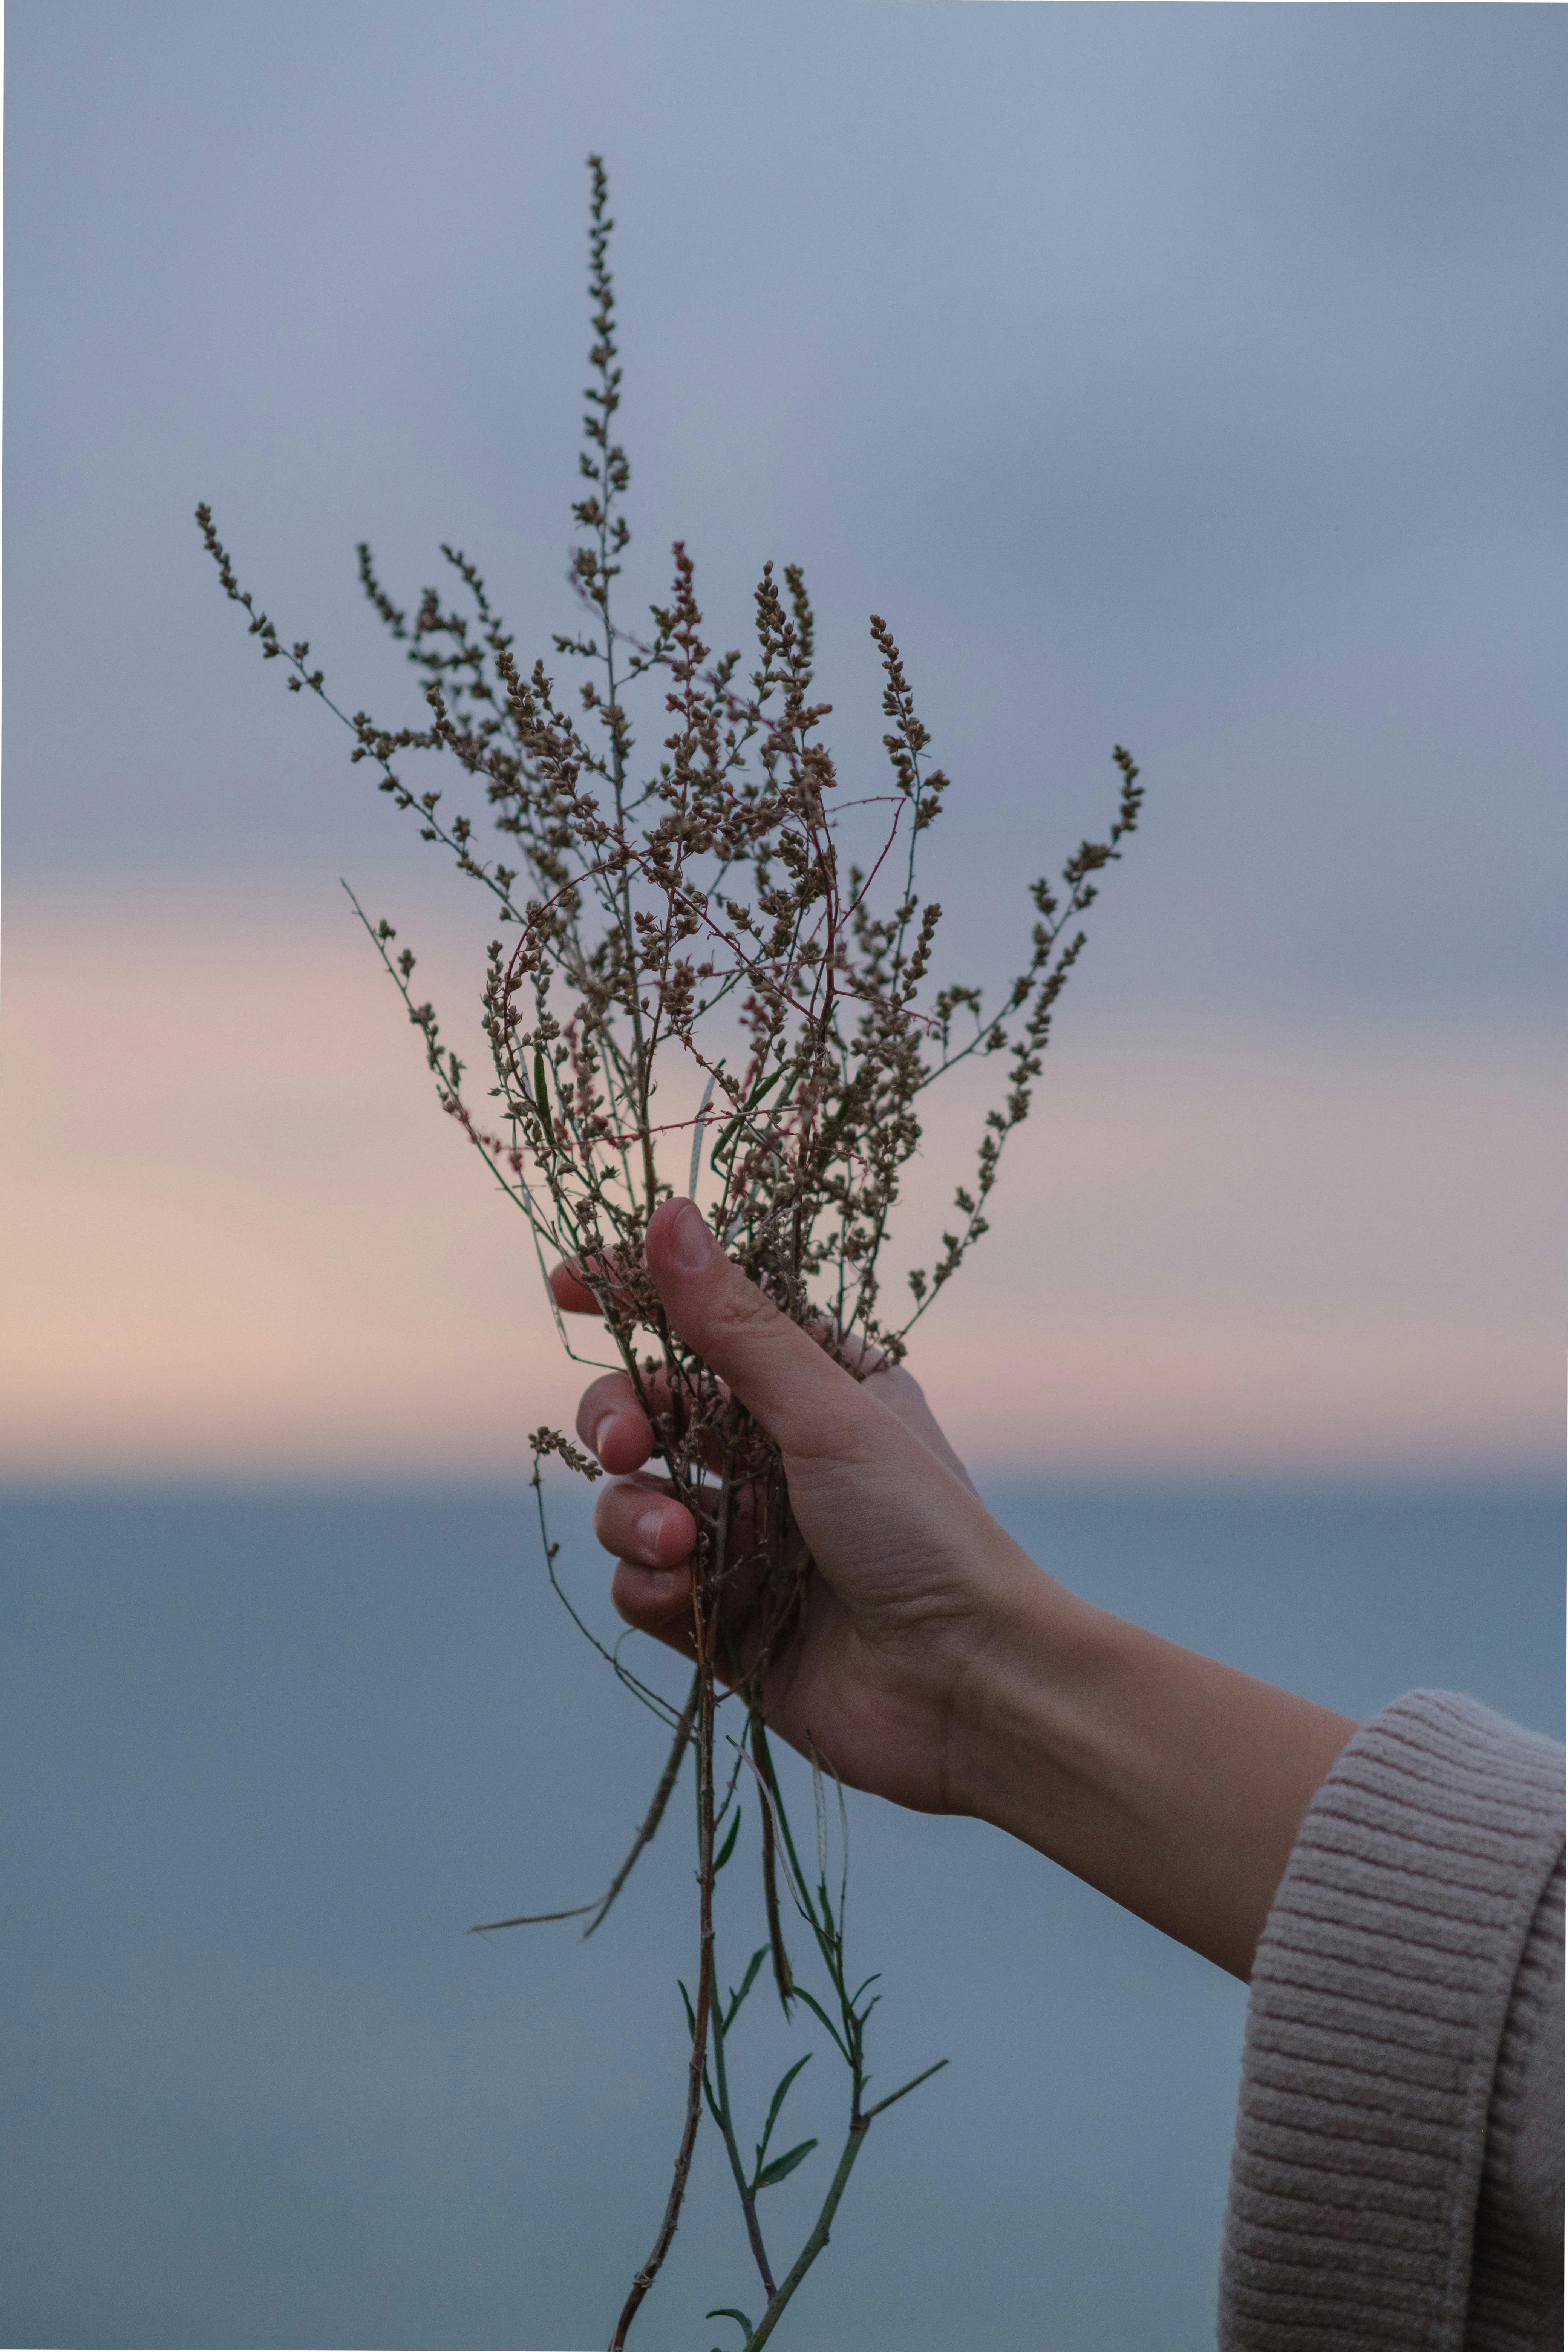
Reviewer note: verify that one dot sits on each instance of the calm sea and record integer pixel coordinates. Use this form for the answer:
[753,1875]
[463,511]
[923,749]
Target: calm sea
[269,1756]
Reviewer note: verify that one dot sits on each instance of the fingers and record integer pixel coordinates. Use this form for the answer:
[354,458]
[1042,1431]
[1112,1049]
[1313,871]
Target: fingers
[614,1420]
[571,1294]
[655,1602]
[807,1399]
[640,1520]
[801,1396]
[611,1421]
[651,1535]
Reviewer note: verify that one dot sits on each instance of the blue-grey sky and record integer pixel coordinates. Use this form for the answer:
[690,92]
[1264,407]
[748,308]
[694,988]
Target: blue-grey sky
[1189,377]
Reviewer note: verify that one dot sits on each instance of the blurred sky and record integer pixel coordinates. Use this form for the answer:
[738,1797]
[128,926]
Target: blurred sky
[1186,377]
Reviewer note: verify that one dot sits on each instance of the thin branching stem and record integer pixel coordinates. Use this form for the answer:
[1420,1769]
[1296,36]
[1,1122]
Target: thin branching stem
[715,969]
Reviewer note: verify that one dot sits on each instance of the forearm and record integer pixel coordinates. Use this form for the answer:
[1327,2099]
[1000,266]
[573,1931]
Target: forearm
[1173,1784]
[934,1663]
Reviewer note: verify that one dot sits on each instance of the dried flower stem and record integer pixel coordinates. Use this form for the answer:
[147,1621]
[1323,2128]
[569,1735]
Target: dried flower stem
[684,922]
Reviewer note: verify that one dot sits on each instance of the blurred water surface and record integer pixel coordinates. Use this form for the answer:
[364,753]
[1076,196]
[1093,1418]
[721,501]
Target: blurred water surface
[267,1757]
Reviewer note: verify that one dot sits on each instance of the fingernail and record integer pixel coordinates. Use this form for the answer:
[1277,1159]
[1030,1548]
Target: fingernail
[651,1528]
[602,1431]
[690,1243]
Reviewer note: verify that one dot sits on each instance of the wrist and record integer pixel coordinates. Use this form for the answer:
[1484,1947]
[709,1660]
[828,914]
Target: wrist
[1174,1784]
[1013,1740]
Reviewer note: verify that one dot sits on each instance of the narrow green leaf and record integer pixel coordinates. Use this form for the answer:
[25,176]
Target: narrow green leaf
[541,1096]
[778,2100]
[728,2311]
[766,1086]
[690,2012]
[749,1105]
[747,1982]
[783,2166]
[907,2088]
[728,1848]
[818,2011]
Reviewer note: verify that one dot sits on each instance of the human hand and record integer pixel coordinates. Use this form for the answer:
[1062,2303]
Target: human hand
[934,1663]
[912,1580]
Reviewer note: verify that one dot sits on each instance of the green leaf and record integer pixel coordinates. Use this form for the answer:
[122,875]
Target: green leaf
[778,2100]
[747,1982]
[541,1096]
[728,2311]
[690,2012]
[908,2087]
[818,2010]
[783,2166]
[728,1848]
[752,1099]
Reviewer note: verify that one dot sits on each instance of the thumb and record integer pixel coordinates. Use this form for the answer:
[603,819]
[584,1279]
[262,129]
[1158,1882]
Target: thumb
[807,1403]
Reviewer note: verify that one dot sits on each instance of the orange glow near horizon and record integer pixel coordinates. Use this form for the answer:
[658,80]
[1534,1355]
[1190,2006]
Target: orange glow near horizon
[242,1242]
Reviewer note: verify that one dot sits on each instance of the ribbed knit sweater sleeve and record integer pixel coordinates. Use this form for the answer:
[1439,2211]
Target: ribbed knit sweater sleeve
[1397,2173]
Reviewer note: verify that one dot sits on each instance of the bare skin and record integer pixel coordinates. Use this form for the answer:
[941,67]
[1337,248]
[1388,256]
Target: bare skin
[936,1665]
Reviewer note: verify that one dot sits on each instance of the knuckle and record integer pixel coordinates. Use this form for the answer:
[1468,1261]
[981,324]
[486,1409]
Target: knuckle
[742,1309]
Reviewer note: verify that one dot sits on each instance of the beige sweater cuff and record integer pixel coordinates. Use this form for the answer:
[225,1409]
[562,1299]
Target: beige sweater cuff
[1380,1997]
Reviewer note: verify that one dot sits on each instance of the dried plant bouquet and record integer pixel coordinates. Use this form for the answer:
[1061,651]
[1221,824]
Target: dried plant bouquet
[690,984]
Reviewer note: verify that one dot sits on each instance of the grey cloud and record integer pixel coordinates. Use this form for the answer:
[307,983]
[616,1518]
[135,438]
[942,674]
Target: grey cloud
[1183,376]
